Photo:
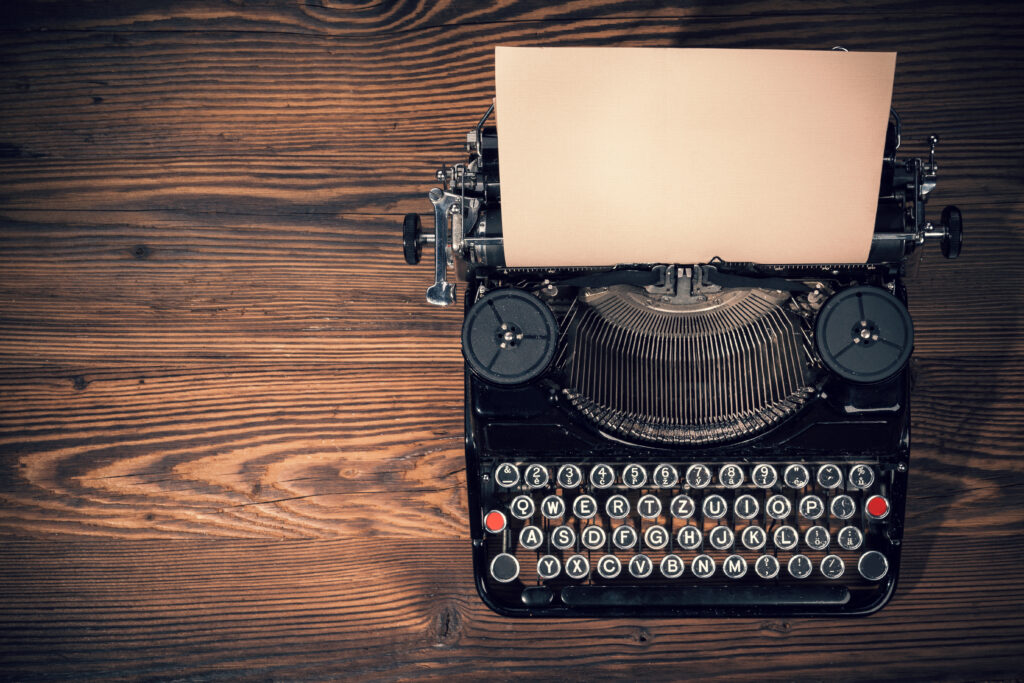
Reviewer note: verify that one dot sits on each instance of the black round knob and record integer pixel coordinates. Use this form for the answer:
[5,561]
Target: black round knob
[953,221]
[412,243]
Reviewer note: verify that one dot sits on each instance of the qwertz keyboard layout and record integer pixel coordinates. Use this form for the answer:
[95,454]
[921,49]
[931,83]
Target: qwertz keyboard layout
[658,523]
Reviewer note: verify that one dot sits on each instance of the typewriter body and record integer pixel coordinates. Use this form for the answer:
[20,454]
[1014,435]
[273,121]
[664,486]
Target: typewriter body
[717,439]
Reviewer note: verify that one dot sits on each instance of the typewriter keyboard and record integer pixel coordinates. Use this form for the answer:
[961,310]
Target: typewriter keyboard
[658,524]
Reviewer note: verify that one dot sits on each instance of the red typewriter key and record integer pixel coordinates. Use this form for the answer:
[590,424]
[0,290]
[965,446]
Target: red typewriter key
[878,507]
[495,521]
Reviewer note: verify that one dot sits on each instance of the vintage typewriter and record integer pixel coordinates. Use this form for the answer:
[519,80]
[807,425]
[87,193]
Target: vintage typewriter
[683,439]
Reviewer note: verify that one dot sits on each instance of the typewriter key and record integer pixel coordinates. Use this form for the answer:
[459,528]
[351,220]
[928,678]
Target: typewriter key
[649,506]
[800,566]
[861,476]
[552,507]
[634,476]
[850,538]
[671,566]
[715,507]
[522,507]
[584,507]
[703,566]
[509,336]
[817,538]
[753,538]
[666,476]
[832,566]
[698,476]
[721,538]
[682,507]
[602,476]
[624,537]
[656,537]
[617,507]
[507,475]
[786,538]
[548,567]
[735,567]
[504,567]
[730,476]
[864,334]
[577,567]
[764,476]
[872,565]
[877,507]
[536,476]
[843,507]
[569,476]
[767,567]
[593,537]
[796,476]
[811,507]
[563,537]
[531,537]
[609,566]
[495,521]
[830,476]
[778,507]
[746,506]
[640,566]
[689,537]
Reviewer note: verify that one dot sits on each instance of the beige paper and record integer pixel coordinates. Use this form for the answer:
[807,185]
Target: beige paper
[660,155]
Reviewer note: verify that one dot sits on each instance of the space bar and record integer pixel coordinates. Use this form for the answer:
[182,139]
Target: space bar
[699,596]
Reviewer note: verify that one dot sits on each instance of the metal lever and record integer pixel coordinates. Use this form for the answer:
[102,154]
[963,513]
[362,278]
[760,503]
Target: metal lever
[442,292]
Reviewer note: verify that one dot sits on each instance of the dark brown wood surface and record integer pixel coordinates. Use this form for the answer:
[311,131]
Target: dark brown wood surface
[230,427]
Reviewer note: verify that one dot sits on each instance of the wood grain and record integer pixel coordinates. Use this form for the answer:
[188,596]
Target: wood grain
[231,430]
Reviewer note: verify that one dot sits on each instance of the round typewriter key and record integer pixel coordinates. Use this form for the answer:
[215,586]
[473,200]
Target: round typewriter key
[656,537]
[767,567]
[552,507]
[624,537]
[800,566]
[584,507]
[778,507]
[832,566]
[504,568]
[864,334]
[843,507]
[730,476]
[689,537]
[602,476]
[735,567]
[522,507]
[536,476]
[830,476]
[746,506]
[811,507]
[786,538]
[569,476]
[509,336]
[850,538]
[753,538]
[764,476]
[721,538]
[698,476]
[703,566]
[609,566]
[563,537]
[495,521]
[640,566]
[548,567]
[861,476]
[682,507]
[817,538]
[715,507]
[671,567]
[649,506]
[577,567]
[634,476]
[507,475]
[877,507]
[665,476]
[872,565]
[617,507]
[531,537]
[593,537]
[796,476]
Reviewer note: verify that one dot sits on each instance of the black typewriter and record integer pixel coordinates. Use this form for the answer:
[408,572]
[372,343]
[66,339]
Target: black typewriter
[717,439]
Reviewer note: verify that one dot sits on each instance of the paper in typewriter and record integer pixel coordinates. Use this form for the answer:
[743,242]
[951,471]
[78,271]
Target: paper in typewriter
[655,155]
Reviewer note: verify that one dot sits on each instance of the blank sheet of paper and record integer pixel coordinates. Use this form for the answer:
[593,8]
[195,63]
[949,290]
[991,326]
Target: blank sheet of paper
[664,155]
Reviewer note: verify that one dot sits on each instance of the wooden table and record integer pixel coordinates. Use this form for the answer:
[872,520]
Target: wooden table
[231,429]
